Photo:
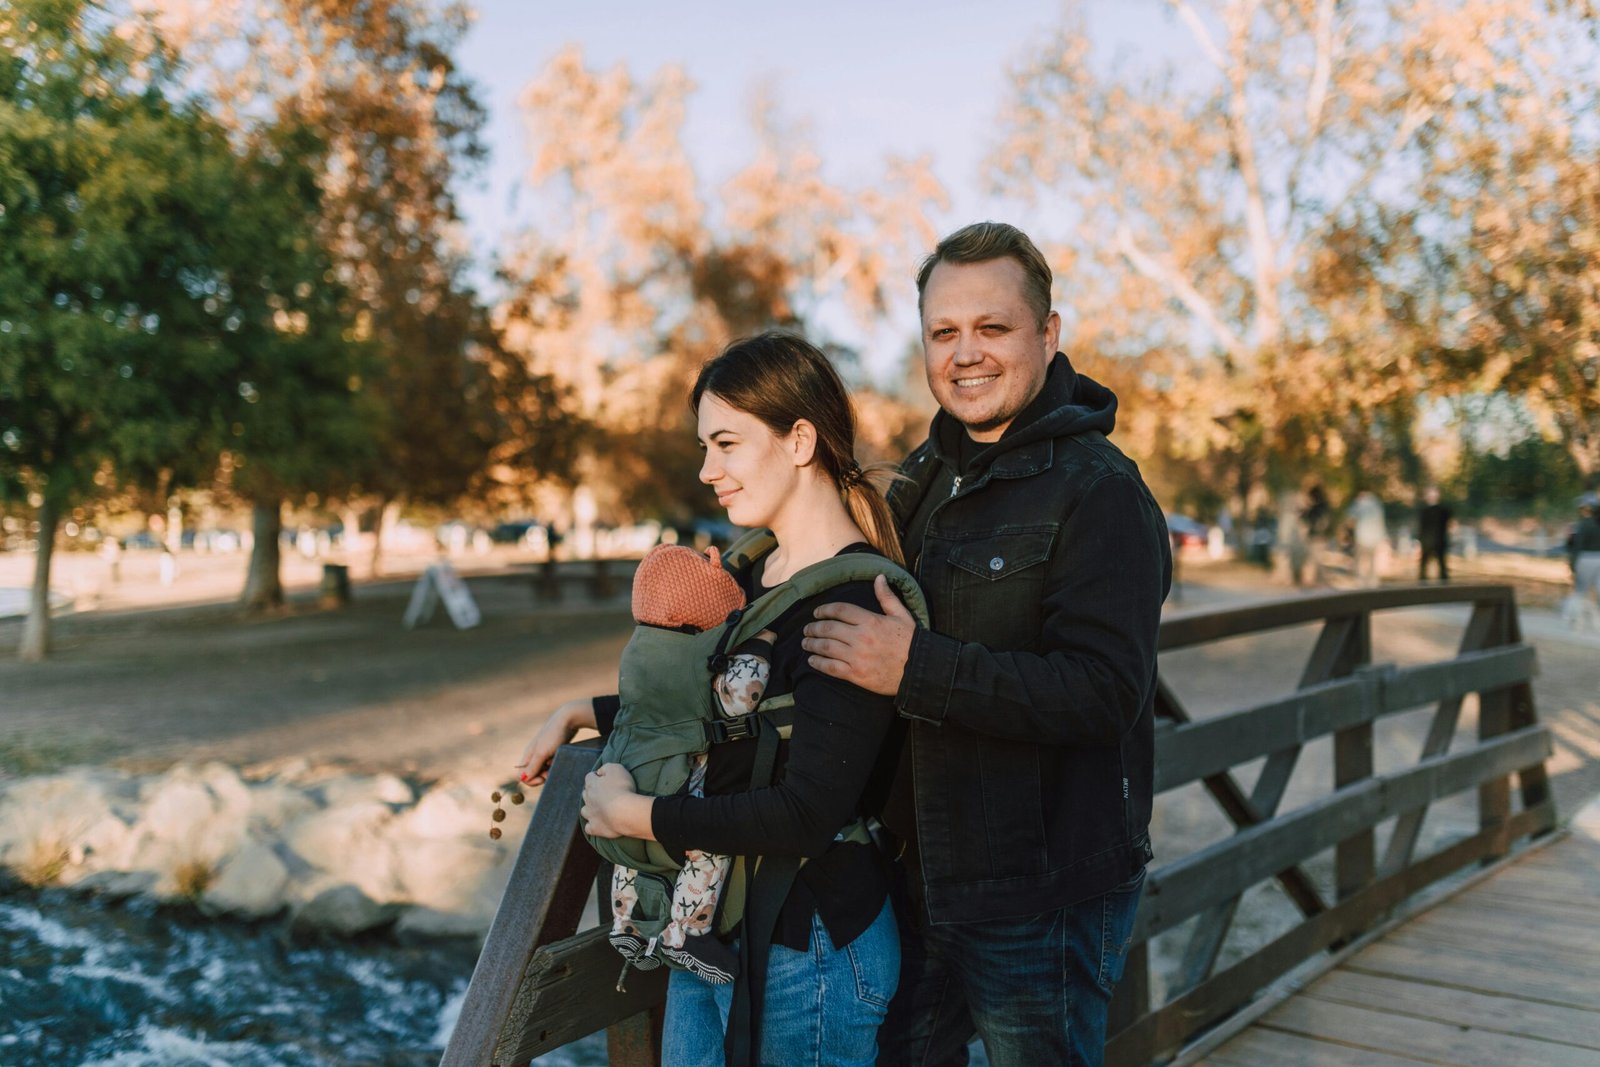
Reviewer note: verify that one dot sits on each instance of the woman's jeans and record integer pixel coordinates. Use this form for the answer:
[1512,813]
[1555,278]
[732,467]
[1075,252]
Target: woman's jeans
[1036,989]
[823,1006]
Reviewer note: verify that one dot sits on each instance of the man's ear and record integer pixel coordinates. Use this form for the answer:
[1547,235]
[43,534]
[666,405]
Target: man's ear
[803,442]
[1052,334]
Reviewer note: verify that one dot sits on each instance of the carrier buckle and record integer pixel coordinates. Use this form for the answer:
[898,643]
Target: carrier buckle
[742,728]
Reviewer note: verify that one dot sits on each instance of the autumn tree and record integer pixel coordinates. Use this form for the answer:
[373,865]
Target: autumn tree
[637,279]
[1252,230]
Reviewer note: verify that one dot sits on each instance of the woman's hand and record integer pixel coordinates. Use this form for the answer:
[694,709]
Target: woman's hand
[612,807]
[534,766]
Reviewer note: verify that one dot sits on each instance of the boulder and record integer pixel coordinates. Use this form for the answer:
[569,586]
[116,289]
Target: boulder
[350,789]
[456,810]
[343,911]
[276,804]
[51,824]
[422,925]
[117,884]
[444,874]
[201,814]
[350,845]
[249,883]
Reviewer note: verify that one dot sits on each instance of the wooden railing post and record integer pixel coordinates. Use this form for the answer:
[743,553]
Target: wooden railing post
[1494,719]
[1533,782]
[1355,858]
[551,880]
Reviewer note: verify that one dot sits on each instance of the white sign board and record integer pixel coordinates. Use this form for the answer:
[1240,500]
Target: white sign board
[441,582]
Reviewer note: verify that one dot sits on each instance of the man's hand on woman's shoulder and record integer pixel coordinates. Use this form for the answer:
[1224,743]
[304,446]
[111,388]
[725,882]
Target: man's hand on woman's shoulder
[860,646]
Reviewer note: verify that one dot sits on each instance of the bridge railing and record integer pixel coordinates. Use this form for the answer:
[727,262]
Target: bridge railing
[539,985]
[1341,694]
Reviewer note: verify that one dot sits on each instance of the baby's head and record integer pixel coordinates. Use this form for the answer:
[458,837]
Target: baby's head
[675,586]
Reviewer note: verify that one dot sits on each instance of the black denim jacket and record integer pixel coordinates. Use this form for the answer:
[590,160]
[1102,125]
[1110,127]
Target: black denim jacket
[1030,746]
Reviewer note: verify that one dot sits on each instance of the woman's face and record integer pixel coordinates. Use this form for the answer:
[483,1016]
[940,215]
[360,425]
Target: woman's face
[751,469]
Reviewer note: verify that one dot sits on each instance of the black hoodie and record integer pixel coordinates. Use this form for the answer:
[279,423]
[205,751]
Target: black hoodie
[1028,755]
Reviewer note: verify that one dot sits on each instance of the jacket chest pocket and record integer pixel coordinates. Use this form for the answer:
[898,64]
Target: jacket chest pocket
[997,584]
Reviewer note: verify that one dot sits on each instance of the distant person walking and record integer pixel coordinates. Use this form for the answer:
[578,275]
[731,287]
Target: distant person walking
[1433,531]
[1371,536]
[1318,520]
[1583,550]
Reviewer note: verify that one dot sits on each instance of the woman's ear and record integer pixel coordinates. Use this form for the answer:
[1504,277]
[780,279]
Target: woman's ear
[803,442]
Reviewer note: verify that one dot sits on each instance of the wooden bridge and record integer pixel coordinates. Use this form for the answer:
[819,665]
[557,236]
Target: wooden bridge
[1197,973]
[1506,972]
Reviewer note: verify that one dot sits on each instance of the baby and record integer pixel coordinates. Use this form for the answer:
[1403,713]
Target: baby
[678,588]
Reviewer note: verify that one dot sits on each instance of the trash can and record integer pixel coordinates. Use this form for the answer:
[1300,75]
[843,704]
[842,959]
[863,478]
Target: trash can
[335,592]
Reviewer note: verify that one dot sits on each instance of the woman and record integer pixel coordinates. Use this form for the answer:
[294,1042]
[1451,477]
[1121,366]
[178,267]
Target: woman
[778,432]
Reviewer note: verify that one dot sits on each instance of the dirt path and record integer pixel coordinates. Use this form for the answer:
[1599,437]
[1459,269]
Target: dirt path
[141,689]
[146,688]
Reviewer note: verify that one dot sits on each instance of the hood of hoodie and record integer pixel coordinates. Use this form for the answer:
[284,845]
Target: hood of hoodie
[1070,403]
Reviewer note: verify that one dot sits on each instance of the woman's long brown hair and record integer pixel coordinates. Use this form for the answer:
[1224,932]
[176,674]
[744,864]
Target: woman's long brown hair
[780,379]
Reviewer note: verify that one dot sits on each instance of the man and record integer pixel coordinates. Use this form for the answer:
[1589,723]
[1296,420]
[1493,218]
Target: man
[1023,790]
[1433,531]
[1583,552]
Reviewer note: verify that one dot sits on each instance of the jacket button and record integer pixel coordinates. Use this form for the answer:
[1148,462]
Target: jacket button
[996,563]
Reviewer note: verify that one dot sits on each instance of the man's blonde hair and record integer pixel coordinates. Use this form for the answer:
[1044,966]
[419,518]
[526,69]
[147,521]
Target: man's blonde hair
[983,241]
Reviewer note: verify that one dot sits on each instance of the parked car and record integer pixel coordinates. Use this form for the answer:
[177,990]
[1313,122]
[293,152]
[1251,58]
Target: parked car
[522,533]
[1186,531]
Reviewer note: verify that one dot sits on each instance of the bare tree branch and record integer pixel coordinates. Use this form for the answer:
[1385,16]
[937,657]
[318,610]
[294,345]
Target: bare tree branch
[1181,290]
[1202,35]
[1316,101]
[1416,113]
[1263,248]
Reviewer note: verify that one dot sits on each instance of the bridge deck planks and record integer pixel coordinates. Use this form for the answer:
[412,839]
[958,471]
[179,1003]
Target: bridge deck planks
[1506,972]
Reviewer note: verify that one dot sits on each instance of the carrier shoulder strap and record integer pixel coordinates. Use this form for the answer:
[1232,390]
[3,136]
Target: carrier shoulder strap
[746,549]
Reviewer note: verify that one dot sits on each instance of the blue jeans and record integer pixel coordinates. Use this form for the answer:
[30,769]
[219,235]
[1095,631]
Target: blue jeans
[823,1006]
[1035,989]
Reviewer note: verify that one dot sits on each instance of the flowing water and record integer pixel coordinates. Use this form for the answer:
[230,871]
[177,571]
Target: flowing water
[92,984]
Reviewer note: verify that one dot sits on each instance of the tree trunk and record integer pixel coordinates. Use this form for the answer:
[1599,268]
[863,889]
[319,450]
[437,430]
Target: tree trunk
[36,629]
[350,539]
[174,538]
[388,515]
[263,585]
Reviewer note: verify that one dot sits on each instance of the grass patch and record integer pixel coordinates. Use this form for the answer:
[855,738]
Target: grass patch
[21,756]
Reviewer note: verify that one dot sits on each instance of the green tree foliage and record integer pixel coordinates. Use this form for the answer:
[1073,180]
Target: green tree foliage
[1531,476]
[155,280]
[379,83]
[300,417]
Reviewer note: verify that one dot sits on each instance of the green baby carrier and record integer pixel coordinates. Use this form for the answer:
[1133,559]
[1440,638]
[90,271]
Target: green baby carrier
[669,715]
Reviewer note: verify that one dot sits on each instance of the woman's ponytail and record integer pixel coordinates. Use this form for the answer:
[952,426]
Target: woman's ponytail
[864,497]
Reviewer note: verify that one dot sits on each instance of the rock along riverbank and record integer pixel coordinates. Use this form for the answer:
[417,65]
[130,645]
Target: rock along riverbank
[332,853]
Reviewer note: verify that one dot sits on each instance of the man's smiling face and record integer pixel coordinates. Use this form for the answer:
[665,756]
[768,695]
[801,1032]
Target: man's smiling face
[986,354]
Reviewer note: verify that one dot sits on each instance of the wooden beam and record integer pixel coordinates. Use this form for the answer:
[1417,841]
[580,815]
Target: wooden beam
[1194,750]
[1194,883]
[1480,633]
[1182,629]
[1237,807]
[570,991]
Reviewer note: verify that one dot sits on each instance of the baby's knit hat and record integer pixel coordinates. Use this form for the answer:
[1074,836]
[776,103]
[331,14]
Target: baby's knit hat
[675,586]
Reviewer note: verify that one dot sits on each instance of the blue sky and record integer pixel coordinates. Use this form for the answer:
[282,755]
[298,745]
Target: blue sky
[868,78]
